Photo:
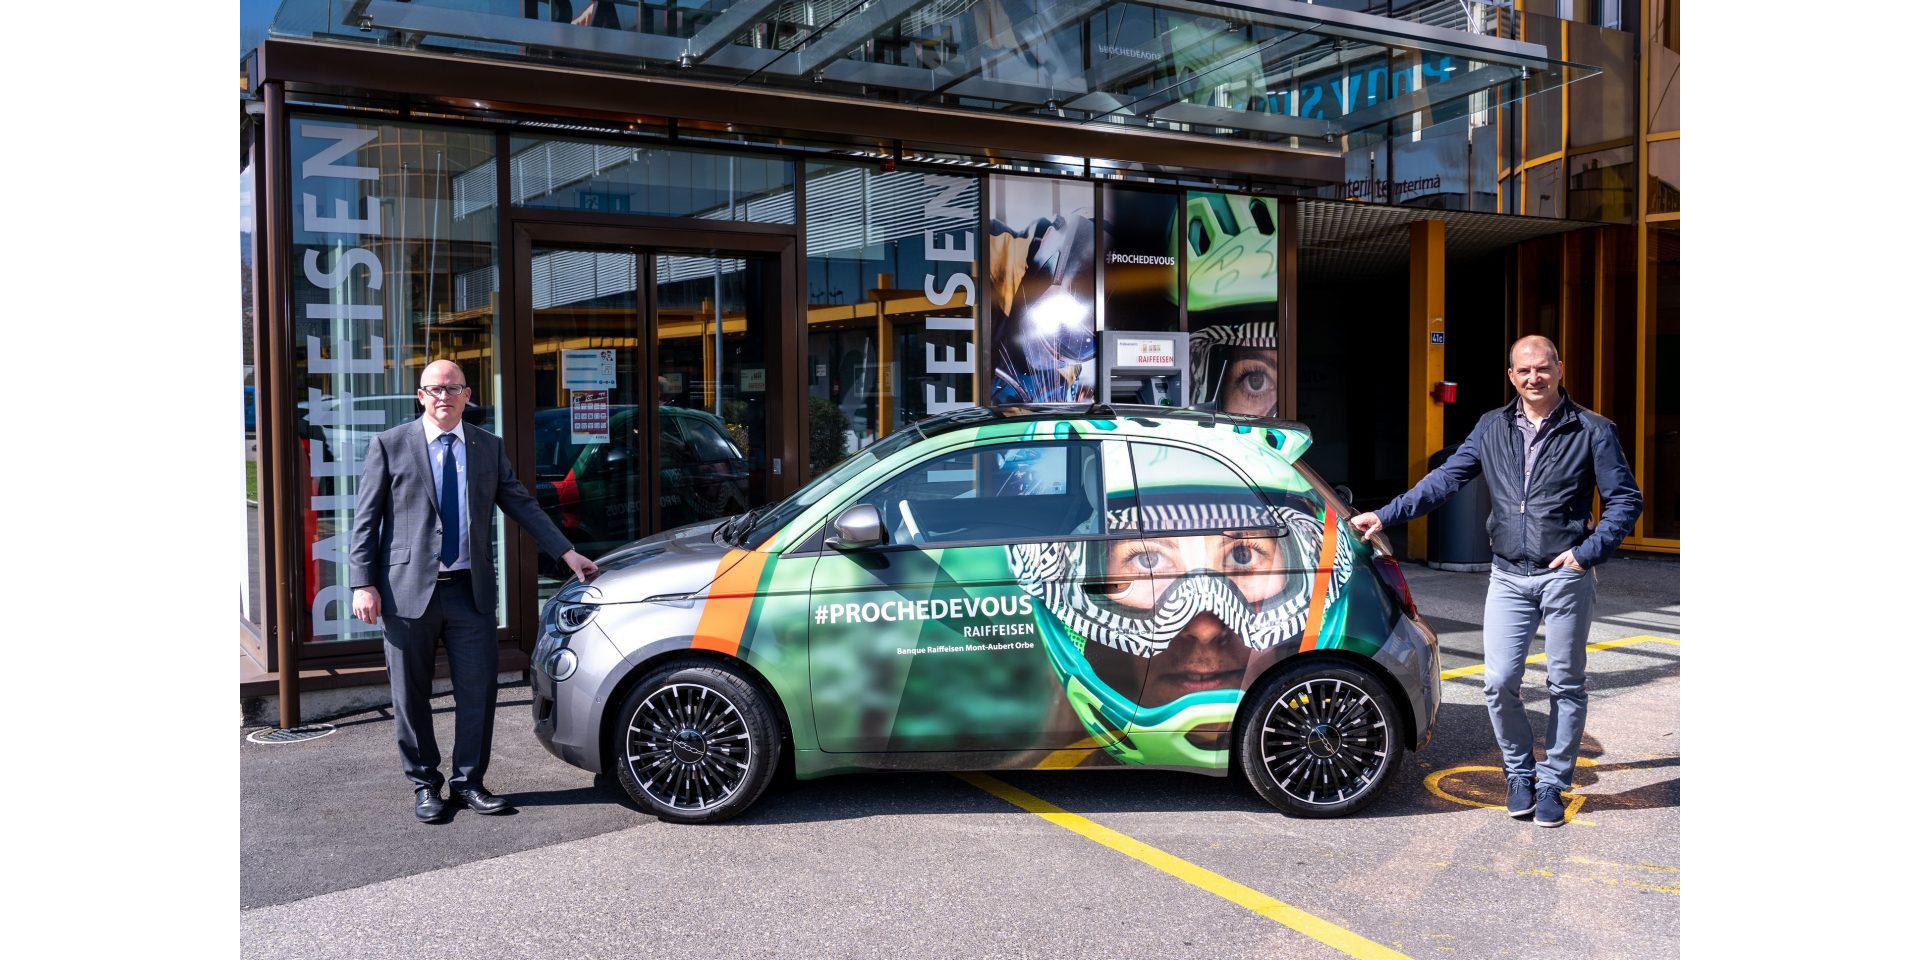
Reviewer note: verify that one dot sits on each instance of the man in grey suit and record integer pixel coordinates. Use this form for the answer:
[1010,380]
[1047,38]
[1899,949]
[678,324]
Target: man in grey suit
[422,556]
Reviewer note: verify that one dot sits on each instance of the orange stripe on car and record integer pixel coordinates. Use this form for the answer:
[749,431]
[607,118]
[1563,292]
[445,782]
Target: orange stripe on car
[729,601]
[1322,580]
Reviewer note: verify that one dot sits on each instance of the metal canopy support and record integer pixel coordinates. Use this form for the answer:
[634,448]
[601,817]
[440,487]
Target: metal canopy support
[840,39]
[732,22]
[1005,42]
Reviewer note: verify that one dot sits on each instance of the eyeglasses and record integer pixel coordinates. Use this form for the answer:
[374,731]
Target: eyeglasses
[441,391]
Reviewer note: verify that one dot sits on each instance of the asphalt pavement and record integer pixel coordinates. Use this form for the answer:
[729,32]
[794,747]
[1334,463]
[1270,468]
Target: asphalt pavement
[1133,864]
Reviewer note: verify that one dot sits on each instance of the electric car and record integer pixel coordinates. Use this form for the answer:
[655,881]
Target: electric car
[1004,588]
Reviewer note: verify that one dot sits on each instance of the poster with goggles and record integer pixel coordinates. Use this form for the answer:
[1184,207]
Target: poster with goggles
[1040,284]
[1233,293]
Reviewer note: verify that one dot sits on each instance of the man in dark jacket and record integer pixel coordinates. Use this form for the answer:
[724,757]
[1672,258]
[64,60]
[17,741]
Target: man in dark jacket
[1543,456]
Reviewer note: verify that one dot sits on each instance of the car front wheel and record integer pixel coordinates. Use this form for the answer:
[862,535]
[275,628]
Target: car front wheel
[695,744]
[1322,740]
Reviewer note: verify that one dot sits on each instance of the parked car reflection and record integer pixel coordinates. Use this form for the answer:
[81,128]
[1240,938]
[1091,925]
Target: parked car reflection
[596,492]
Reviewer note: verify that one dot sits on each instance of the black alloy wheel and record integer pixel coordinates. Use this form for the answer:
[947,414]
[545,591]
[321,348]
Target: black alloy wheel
[1321,740]
[695,744]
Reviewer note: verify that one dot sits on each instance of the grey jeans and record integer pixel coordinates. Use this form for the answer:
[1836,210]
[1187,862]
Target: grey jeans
[1516,606]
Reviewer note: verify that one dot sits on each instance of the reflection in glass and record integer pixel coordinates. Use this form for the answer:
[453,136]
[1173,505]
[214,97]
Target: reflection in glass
[1662,471]
[250,610]
[1600,109]
[1542,104]
[711,319]
[1542,184]
[655,181]
[589,424]
[1600,186]
[392,265]
[1663,176]
[892,261]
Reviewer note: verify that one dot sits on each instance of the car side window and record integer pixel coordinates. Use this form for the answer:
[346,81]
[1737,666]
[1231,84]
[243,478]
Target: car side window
[1186,491]
[996,494]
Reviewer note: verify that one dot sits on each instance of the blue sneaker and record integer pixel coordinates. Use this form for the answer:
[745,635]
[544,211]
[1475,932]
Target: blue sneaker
[1519,796]
[1551,811]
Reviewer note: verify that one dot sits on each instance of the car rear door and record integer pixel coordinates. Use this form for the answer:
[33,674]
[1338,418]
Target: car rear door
[1240,573]
[941,640]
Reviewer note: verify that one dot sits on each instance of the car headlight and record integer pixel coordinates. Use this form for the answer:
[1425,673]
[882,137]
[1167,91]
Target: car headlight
[570,617]
[570,609]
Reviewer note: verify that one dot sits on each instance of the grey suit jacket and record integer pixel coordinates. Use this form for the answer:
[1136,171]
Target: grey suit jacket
[396,521]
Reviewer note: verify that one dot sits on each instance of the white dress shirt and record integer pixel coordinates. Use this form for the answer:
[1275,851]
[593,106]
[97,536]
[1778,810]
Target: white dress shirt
[436,455]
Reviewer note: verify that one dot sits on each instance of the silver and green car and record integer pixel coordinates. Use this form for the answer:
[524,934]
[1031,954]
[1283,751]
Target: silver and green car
[1004,588]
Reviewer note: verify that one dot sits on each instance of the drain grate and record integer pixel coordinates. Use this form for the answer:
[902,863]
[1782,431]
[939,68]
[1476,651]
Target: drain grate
[311,731]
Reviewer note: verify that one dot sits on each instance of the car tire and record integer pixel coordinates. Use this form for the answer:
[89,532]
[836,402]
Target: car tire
[695,743]
[1320,740]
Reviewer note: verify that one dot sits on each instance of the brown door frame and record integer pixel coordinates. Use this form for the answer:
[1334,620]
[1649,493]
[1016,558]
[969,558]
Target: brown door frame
[645,237]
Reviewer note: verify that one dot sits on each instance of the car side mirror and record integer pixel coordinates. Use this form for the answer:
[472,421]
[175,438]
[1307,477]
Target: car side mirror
[1344,492]
[857,528]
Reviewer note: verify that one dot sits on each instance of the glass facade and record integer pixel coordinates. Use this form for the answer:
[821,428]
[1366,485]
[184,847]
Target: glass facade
[249,584]
[646,180]
[392,265]
[892,302]
[1661,474]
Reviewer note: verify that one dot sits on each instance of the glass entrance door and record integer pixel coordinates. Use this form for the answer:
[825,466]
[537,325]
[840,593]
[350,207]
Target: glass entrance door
[649,390]
[711,317]
[590,454]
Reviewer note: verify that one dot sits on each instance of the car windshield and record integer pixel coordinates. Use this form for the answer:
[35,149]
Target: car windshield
[779,516]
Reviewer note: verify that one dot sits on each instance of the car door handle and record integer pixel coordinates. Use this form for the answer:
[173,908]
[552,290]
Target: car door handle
[1106,586]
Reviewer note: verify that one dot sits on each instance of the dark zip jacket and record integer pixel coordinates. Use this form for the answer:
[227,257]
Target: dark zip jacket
[1535,520]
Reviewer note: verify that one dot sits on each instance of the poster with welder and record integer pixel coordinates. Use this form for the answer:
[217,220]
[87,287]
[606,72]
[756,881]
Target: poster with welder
[1233,296]
[1040,284]
[1142,260]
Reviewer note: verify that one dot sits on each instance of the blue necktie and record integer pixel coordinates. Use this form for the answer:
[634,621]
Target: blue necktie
[449,504]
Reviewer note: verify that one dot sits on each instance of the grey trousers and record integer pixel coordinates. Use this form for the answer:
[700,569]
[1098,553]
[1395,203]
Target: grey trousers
[473,659]
[1516,607]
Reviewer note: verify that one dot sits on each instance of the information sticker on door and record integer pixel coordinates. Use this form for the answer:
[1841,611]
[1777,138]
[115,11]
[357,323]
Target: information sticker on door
[587,369]
[589,412]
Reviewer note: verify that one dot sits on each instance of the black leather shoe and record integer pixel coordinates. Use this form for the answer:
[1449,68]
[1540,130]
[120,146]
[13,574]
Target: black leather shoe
[427,805]
[479,800]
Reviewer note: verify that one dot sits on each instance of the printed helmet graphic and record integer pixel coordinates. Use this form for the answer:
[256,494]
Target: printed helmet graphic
[1104,690]
[1211,351]
[1233,255]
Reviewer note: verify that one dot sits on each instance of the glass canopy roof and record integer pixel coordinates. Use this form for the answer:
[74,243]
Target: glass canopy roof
[1272,71]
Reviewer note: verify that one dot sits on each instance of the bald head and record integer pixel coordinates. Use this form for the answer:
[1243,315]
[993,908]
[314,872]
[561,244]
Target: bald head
[1534,346]
[442,371]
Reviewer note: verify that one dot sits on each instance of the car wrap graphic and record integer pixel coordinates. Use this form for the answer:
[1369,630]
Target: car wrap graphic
[1003,647]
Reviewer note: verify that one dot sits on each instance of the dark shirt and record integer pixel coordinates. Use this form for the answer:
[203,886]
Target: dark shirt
[1532,434]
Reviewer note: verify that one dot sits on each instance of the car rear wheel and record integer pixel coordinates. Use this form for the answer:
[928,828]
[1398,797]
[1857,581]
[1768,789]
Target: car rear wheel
[1322,740]
[695,744]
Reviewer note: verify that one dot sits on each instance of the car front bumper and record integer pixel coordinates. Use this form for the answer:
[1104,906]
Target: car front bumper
[566,713]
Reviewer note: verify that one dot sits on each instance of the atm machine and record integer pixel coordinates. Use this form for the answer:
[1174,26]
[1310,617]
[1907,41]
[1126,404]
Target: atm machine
[1147,367]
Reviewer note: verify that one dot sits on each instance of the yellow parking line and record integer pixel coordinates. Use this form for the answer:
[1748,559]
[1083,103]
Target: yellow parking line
[1458,672]
[1337,937]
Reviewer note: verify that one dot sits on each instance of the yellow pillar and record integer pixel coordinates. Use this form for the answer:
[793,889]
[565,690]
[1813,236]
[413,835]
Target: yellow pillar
[1426,358]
